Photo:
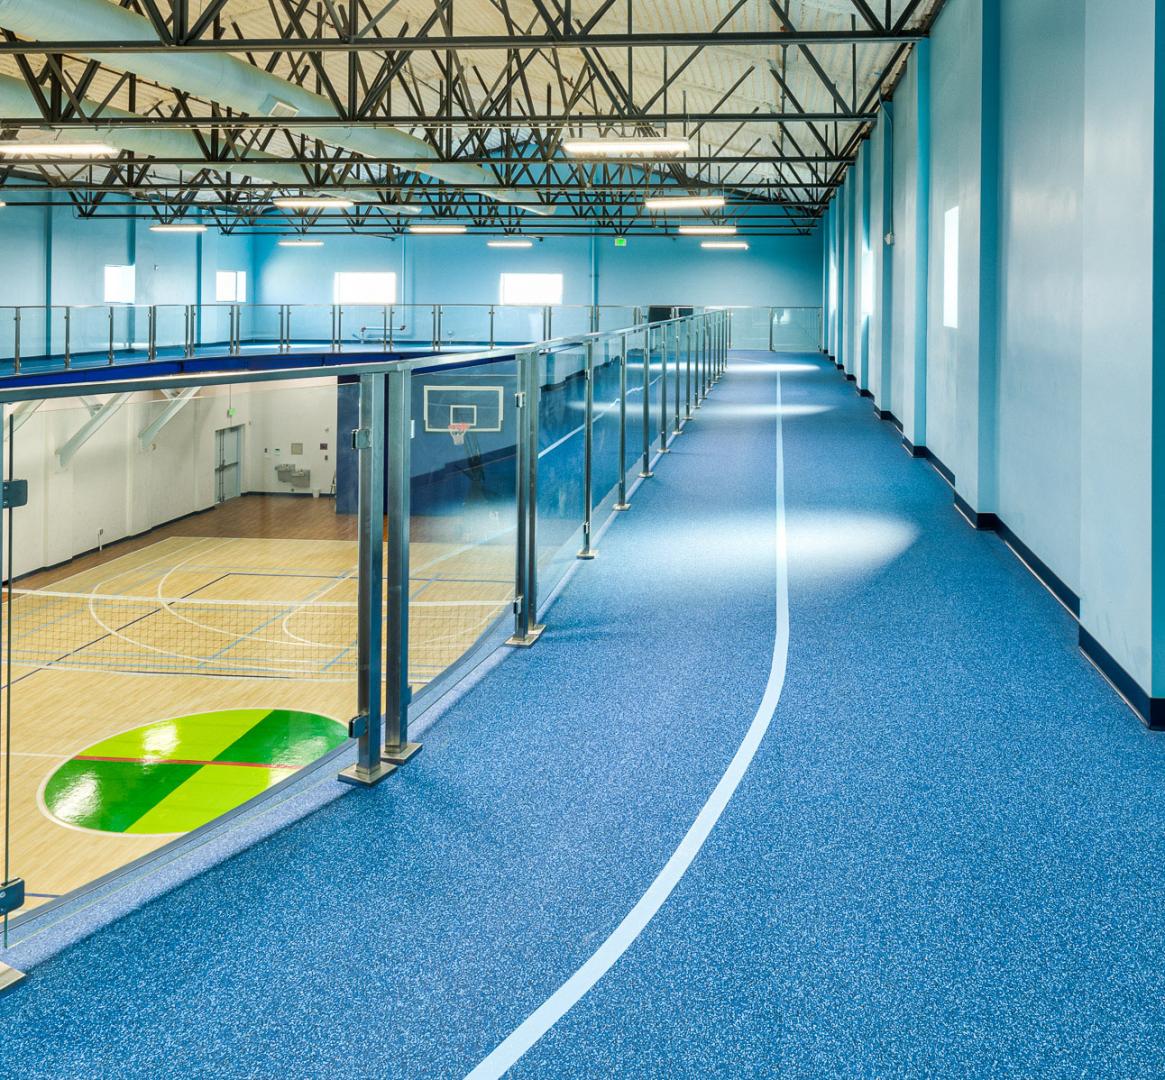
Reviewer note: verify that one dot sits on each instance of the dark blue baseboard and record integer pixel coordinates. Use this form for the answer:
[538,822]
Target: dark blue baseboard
[1151,710]
[983,520]
[1051,581]
[866,393]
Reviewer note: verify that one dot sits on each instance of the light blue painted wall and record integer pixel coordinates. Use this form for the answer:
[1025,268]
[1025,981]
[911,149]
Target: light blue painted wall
[905,247]
[953,354]
[1041,278]
[1117,361]
[777,270]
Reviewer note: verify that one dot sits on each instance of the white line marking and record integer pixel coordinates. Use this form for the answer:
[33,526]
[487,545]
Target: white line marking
[539,1022]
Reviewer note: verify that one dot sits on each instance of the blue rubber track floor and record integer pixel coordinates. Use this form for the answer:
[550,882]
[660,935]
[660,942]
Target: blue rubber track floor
[944,860]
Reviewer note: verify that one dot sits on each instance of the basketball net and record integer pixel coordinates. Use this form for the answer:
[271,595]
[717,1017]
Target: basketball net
[458,432]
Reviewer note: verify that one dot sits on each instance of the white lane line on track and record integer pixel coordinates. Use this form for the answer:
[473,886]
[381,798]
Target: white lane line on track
[508,1052]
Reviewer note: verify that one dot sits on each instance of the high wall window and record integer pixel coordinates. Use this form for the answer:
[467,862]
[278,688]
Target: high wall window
[120,285]
[951,269]
[539,289]
[350,287]
[230,287]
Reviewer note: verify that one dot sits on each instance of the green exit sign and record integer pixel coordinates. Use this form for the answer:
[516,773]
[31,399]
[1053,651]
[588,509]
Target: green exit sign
[620,241]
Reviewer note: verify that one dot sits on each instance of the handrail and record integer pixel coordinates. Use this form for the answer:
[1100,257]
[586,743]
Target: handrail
[437,362]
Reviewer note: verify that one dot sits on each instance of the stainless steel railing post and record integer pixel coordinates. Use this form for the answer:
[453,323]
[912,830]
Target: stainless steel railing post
[368,726]
[68,337]
[664,338]
[677,428]
[645,471]
[622,503]
[397,688]
[527,629]
[587,551]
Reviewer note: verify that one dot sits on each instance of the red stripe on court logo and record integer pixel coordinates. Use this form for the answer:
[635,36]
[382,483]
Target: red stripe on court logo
[184,761]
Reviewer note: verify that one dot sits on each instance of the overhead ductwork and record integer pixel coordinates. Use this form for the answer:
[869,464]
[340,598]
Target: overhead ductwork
[231,82]
[17,100]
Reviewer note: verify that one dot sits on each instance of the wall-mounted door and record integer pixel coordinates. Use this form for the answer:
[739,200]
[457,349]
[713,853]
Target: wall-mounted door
[228,469]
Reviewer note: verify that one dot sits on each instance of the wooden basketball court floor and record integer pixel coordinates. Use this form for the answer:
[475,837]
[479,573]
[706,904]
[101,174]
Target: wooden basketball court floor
[192,620]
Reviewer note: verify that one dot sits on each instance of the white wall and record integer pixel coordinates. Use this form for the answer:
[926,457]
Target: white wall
[114,487]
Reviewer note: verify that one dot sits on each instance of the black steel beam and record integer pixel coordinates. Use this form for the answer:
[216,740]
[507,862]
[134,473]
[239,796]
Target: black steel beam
[316,44]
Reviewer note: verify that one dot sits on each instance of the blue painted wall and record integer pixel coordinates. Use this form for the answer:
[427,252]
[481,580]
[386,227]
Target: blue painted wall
[1047,401]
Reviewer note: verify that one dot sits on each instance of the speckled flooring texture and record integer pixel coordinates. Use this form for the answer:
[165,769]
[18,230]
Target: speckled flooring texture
[945,860]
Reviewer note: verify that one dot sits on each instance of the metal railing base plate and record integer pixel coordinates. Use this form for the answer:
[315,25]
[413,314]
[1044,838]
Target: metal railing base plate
[398,755]
[359,777]
[526,641]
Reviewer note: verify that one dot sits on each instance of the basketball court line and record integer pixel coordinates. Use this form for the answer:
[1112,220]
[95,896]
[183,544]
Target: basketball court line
[508,1052]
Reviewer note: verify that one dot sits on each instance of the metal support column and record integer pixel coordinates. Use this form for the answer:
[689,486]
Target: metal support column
[397,691]
[111,335]
[152,331]
[771,315]
[645,471]
[622,503]
[367,727]
[527,629]
[68,337]
[492,319]
[16,341]
[587,551]
[679,329]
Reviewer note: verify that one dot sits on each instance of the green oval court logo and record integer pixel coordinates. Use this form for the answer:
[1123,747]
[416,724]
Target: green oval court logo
[174,775]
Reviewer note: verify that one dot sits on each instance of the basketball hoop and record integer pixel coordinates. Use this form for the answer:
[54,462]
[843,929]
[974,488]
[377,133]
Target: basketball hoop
[458,432]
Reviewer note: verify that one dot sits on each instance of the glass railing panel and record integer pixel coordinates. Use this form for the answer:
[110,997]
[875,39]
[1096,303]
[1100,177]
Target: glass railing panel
[515,325]
[796,329]
[635,342]
[467,324]
[206,552]
[616,318]
[170,328]
[605,470]
[570,321]
[560,463]
[260,326]
[214,325]
[463,521]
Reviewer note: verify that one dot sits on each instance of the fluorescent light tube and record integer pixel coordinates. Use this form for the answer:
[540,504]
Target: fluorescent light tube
[437,230]
[724,245]
[312,203]
[62,150]
[625,147]
[178,227]
[685,202]
[707,230]
[509,243]
[301,243]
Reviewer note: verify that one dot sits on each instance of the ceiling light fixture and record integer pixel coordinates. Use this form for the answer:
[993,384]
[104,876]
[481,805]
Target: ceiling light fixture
[301,243]
[625,147]
[177,227]
[437,230]
[54,150]
[685,202]
[516,243]
[724,245]
[312,203]
[707,230]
